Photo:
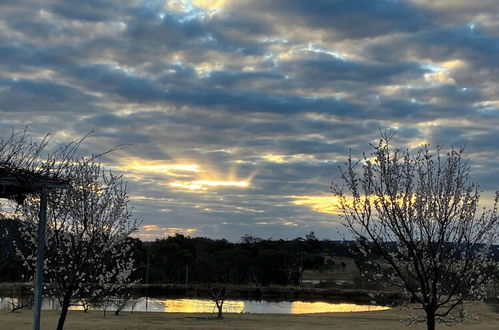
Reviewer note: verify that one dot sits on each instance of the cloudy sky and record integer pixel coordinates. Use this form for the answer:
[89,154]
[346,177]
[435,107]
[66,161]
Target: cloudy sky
[236,113]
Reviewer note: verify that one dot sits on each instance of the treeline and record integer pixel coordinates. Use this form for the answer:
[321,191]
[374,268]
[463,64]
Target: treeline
[256,261]
[181,259]
[195,260]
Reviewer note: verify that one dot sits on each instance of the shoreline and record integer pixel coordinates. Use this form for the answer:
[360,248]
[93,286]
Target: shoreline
[376,320]
[247,292]
[271,293]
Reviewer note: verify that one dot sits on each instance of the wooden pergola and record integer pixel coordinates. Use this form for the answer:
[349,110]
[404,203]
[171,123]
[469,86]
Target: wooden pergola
[16,184]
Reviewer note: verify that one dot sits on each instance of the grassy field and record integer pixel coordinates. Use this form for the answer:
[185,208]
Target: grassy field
[390,320]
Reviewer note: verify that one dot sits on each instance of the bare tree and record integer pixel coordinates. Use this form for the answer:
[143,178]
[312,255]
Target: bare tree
[418,212]
[20,300]
[23,154]
[87,251]
[217,293]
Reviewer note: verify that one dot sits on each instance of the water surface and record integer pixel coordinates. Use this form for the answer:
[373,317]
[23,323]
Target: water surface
[168,305]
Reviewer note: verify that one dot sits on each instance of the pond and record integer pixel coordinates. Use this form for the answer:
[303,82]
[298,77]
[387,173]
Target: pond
[176,305]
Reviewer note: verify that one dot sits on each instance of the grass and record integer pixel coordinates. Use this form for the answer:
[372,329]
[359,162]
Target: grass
[389,320]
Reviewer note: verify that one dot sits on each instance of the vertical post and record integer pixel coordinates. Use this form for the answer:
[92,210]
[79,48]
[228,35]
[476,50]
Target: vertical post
[147,279]
[42,219]
[147,267]
[301,267]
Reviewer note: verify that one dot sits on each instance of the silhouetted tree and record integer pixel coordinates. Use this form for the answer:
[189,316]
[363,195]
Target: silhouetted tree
[88,254]
[426,203]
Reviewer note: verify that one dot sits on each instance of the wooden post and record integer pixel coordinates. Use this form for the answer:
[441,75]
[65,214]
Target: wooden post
[42,215]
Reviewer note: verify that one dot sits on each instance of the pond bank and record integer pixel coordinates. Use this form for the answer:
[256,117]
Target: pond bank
[382,320]
[271,293]
[244,292]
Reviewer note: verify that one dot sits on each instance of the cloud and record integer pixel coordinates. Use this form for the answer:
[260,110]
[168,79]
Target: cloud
[152,232]
[343,18]
[250,102]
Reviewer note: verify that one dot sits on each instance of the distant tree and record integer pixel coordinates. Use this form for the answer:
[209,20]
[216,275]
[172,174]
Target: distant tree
[426,204]
[250,239]
[311,236]
[214,270]
[88,254]
[169,258]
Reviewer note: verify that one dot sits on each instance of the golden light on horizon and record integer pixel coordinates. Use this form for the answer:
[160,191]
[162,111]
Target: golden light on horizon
[322,204]
[331,204]
[151,232]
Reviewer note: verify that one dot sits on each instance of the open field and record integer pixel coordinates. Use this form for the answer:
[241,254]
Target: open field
[390,320]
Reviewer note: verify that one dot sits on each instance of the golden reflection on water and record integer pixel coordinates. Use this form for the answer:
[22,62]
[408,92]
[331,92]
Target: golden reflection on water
[199,306]
[301,307]
[232,306]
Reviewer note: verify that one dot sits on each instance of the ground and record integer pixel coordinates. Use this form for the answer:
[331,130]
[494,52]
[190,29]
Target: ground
[335,273]
[488,319]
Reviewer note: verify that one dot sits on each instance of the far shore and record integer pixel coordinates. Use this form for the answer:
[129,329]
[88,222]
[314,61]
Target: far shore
[485,318]
[248,292]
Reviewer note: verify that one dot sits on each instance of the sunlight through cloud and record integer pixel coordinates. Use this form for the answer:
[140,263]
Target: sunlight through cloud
[321,204]
[204,184]
[139,166]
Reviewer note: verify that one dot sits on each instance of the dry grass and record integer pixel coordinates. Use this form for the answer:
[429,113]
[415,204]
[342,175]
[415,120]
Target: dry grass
[390,320]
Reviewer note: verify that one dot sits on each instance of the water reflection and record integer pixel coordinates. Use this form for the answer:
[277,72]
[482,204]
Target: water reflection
[300,307]
[145,304]
[197,306]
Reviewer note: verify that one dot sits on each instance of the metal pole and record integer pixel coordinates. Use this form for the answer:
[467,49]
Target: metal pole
[147,280]
[42,219]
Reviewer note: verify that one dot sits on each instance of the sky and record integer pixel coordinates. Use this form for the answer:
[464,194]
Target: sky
[233,115]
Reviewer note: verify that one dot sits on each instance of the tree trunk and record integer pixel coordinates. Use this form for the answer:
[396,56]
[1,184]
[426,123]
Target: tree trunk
[64,312]
[430,320]
[219,306]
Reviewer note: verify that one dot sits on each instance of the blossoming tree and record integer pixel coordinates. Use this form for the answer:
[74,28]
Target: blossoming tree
[419,213]
[87,251]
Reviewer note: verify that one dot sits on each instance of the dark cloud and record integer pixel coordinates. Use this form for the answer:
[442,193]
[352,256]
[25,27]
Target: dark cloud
[347,19]
[235,79]
[90,10]
[22,95]
[326,69]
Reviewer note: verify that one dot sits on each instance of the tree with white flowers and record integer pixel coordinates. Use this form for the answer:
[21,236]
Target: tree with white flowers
[88,255]
[418,214]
